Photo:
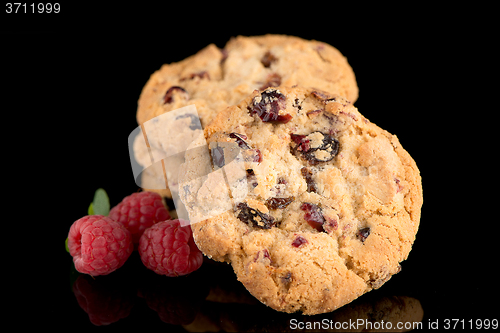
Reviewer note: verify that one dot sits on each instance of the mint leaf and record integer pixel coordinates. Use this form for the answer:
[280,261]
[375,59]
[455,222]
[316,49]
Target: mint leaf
[100,205]
[91,209]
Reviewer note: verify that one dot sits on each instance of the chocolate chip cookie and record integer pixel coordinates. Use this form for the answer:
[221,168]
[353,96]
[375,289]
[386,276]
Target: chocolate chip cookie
[214,78]
[331,202]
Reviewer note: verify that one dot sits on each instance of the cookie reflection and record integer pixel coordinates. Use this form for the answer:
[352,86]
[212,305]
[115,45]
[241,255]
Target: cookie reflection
[213,300]
[230,307]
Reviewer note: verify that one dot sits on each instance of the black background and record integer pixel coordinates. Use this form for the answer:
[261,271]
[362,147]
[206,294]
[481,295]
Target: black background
[70,88]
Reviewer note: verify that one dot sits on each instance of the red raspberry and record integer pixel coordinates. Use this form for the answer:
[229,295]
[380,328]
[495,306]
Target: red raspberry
[139,211]
[169,249]
[99,245]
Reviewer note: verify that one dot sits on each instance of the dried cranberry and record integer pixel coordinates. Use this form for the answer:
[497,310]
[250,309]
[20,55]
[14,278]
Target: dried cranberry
[282,181]
[169,95]
[258,219]
[313,215]
[251,178]
[301,141]
[363,234]
[330,225]
[252,155]
[258,156]
[287,279]
[279,203]
[268,107]
[201,75]
[315,151]
[268,59]
[240,140]
[299,241]
[265,254]
[272,80]
[307,174]
[398,185]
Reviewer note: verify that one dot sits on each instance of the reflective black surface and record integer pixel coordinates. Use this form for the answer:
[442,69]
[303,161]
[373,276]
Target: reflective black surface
[69,101]
[211,299]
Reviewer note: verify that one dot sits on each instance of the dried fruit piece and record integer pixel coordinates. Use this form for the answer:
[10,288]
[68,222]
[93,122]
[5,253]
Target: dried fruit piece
[299,241]
[330,225]
[282,181]
[265,254]
[251,178]
[323,147]
[253,216]
[268,106]
[287,279]
[315,147]
[301,141]
[307,174]
[169,95]
[250,154]
[201,75]
[268,59]
[313,215]
[398,185]
[279,203]
[363,234]
[272,80]
[240,140]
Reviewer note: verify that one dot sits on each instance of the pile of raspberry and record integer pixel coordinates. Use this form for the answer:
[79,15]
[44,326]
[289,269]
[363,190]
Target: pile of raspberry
[101,244]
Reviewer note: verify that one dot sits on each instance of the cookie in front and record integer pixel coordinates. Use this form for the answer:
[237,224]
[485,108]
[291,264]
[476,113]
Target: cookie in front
[332,205]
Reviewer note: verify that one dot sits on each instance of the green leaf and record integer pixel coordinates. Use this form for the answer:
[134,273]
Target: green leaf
[66,243]
[100,205]
[91,209]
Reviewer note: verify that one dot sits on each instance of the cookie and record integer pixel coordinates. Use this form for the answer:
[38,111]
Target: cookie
[214,78]
[326,209]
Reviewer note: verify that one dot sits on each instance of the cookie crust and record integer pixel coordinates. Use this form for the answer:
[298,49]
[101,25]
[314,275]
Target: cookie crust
[354,213]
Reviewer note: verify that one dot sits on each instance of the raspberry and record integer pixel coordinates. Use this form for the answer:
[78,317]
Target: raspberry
[139,211]
[99,245]
[169,249]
